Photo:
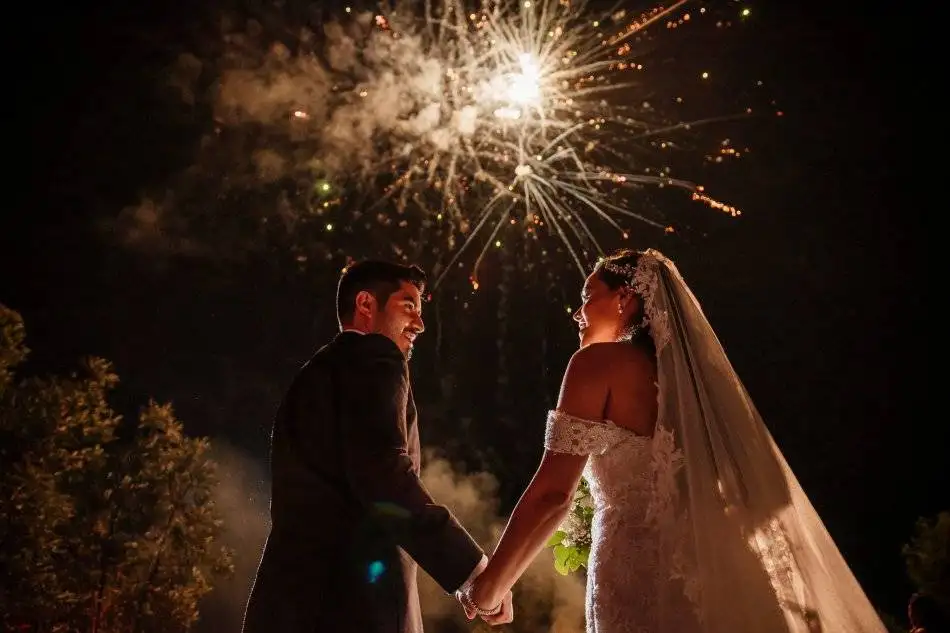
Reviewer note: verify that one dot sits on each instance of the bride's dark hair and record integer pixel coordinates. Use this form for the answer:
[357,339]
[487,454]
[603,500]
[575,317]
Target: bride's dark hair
[637,329]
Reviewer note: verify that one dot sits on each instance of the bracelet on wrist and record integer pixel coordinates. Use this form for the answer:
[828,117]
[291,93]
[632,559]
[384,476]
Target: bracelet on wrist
[468,601]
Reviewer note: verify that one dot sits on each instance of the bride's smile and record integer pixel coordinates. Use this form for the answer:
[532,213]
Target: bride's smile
[603,311]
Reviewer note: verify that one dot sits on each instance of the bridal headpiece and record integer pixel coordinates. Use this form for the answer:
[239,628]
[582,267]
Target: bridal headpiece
[644,279]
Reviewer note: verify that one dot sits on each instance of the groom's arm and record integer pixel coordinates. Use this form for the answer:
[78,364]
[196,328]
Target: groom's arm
[374,393]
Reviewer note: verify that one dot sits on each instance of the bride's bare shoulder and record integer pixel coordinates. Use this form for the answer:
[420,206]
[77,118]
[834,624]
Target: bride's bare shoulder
[616,359]
[594,355]
[592,373]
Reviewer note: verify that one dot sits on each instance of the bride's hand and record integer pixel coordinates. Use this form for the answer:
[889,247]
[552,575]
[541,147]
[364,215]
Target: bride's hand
[484,595]
[505,616]
[476,594]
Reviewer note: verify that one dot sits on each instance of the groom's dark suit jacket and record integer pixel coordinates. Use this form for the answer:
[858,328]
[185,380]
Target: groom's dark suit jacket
[349,512]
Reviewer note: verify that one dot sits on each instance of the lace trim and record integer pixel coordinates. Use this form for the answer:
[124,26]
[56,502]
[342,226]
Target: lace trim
[770,543]
[665,462]
[646,280]
[565,433]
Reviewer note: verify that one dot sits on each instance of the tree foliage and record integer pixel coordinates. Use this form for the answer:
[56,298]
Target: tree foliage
[927,558]
[105,525]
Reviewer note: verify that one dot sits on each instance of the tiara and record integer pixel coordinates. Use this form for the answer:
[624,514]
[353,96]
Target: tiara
[641,277]
[643,271]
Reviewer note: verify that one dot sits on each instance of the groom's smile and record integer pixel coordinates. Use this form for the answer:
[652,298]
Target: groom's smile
[401,317]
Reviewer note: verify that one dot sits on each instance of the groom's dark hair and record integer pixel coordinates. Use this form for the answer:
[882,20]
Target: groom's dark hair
[379,278]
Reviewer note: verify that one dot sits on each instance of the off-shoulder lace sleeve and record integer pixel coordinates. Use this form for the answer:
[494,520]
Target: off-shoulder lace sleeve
[568,434]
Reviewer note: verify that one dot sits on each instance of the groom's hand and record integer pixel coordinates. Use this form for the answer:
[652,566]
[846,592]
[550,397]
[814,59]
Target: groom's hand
[482,564]
[469,612]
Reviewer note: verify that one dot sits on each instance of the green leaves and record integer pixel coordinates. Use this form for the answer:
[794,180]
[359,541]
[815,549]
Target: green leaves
[571,544]
[556,539]
[568,559]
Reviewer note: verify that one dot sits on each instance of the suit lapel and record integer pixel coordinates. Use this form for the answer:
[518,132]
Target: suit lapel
[412,433]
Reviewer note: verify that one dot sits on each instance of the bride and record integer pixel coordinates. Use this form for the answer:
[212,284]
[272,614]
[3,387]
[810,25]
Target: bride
[699,523]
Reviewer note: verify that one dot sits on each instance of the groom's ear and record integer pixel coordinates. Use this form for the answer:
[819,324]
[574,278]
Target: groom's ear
[365,303]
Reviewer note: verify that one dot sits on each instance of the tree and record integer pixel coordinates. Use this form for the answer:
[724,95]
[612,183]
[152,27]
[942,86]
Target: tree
[927,558]
[105,524]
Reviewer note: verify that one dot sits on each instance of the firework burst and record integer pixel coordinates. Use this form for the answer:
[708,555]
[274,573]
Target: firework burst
[521,119]
[530,114]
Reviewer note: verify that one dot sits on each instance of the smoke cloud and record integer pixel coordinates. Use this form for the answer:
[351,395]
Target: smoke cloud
[152,227]
[342,91]
[359,99]
[544,600]
[242,497]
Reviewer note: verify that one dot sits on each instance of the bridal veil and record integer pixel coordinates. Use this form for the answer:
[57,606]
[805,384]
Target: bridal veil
[738,535]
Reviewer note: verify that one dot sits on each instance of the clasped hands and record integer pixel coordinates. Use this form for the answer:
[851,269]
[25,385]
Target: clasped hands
[473,596]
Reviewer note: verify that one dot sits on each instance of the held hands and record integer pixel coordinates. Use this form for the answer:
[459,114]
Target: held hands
[501,612]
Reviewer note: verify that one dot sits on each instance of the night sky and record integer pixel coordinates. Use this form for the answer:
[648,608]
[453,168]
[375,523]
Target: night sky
[816,292]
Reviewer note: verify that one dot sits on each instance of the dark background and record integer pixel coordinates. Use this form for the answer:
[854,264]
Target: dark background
[817,291]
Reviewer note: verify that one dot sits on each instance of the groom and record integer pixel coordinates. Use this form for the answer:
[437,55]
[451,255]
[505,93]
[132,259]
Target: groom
[350,516]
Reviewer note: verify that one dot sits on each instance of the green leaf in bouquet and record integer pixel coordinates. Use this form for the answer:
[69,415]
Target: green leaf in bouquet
[583,553]
[569,559]
[556,539]
[561,556]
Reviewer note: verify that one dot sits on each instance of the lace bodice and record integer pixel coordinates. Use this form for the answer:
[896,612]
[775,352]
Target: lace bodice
[627,474]
[620,459]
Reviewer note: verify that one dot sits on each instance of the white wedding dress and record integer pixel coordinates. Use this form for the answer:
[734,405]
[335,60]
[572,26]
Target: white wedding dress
[703,527]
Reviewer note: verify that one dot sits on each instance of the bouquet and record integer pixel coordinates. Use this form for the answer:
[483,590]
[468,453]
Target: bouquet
[571,543]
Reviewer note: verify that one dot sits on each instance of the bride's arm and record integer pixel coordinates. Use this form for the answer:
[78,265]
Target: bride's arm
[541,509]
[547,499]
